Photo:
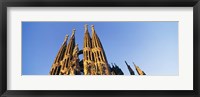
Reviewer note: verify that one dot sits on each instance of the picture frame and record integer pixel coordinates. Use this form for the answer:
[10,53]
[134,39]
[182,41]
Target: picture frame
[103,3]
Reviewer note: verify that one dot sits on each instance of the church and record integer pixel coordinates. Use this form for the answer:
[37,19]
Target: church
[94,60]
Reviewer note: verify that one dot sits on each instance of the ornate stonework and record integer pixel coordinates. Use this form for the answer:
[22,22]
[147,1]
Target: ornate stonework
[94,61]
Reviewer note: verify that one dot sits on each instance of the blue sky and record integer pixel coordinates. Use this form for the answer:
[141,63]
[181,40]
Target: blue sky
[153,46]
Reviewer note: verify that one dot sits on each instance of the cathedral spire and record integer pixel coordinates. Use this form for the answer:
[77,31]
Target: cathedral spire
[73,32]
[92,27]
[71,43]
[60,54]
[88,59]
[130,69]
[55,69]
[94,61]
[99,54]
[95,39]
[68,53]
[66,38]
[139,71]
[87,38]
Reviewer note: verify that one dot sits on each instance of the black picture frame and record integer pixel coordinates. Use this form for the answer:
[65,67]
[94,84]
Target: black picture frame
[99,3]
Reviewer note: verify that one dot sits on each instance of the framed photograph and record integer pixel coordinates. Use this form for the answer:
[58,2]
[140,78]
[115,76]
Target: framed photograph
[99,48]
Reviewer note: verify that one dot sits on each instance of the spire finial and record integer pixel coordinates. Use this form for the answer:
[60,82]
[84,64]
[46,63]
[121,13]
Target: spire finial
[66,37]
[92,26]
[73,32]
[86,27]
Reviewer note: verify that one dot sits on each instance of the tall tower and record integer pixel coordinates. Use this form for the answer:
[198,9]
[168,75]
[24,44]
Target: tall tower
[55,69]
[68,54]
[130,69]
[94,58]
[139,71]
[66,61]
[99,56]
[88,58]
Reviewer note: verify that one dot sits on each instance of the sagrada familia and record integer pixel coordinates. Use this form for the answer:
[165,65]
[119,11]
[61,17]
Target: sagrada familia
[94,61]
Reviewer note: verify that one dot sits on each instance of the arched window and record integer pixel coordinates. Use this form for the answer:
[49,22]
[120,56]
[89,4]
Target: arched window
[62,54]
[58,71]
[90,56]
[86,55]
[93,57]
[66,64]
[102,56]
[98,55]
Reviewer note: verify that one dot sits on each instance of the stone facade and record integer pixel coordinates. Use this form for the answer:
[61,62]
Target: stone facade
[94,60]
